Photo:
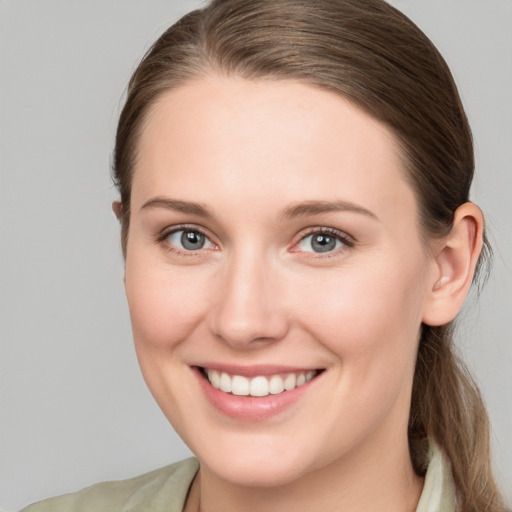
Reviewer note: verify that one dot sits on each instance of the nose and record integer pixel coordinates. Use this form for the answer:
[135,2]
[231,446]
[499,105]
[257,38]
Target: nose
[249,312]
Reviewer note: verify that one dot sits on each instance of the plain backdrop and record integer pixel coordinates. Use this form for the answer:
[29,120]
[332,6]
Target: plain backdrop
[74,408]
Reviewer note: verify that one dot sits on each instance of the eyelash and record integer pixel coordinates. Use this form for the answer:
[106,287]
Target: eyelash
[346,240]
[164,235]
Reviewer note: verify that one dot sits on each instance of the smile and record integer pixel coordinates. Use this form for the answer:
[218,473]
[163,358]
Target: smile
[260,385]
[255,393]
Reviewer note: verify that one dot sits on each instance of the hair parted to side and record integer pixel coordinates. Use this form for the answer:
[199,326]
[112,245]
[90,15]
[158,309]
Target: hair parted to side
[370,53]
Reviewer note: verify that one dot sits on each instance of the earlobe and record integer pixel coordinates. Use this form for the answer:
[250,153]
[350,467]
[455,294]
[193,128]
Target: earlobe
[117,208]
[454,262]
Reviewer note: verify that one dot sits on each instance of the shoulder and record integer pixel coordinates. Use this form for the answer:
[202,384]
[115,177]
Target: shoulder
[164,489]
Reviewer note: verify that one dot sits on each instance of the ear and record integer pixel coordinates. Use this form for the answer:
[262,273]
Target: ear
[454,261]
[117,208]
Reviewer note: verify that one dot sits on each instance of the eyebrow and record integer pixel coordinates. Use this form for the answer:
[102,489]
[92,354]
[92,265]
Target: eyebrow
[301,209]
[318,207]
[178,206]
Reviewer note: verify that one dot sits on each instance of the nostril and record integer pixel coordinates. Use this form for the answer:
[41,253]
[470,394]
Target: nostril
[247,308]
[249,331]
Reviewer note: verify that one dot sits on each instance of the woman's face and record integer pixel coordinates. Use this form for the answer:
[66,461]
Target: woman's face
[274,240]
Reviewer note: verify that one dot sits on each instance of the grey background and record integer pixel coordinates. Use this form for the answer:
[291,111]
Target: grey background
[73,407]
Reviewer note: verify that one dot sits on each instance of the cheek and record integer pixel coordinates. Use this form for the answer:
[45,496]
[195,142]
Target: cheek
[165,305]
[165,308]
[370,323]
[367,318]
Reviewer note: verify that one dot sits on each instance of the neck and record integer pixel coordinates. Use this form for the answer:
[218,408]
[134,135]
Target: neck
[379,477]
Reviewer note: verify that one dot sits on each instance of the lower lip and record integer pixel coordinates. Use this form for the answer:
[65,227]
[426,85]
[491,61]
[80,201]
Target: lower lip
[250,407]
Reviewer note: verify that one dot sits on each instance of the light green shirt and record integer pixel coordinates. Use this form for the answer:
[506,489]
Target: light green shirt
[165,490]
[438,490]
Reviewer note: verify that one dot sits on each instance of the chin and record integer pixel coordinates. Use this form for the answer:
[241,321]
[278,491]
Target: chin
[248,473]
[257,462]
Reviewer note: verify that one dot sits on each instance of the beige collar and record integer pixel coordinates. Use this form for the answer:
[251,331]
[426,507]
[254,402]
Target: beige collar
[438,490]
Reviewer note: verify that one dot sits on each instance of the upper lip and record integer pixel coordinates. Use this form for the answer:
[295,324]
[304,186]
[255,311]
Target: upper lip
[255,370]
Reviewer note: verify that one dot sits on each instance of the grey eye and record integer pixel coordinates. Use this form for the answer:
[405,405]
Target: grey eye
[189,240]
[319,242]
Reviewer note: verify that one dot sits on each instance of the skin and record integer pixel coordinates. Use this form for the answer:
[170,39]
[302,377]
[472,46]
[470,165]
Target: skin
[257,293]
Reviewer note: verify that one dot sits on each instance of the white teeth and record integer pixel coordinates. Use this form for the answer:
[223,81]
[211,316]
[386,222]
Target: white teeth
[276,385]
[225,383]
[290,382]
[214,378]
[240,385]
[257,386]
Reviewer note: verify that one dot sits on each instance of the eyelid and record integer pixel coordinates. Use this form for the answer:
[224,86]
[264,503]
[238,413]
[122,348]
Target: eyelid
[164,234]
[347,240]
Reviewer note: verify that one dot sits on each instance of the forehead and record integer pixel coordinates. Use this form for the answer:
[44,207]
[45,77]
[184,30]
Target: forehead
[227,135]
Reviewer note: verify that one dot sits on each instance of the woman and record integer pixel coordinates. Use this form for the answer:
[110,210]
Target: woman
[294,181]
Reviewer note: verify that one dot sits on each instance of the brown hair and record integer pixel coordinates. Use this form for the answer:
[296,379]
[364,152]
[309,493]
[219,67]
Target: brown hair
[369,52]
